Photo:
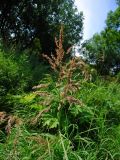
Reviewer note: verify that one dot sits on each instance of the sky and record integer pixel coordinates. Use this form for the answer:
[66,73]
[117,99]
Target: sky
[95,14]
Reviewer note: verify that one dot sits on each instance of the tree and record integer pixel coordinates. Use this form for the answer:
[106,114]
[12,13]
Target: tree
[118,2]
[104,48]
[24,21]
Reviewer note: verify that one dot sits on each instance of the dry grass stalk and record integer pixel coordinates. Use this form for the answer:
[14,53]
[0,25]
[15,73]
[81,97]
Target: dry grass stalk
[41,93]
[66,71]
[40,86]
[9,121]
[39,139]
[35,120]
[12,121]
[47,97]
[2,117]
[72,100]
[56,61]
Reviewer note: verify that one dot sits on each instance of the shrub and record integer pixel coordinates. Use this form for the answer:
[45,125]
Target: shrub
[14,77]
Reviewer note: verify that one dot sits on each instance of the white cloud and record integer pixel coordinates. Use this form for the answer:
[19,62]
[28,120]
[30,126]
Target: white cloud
[82,6]
[95,14]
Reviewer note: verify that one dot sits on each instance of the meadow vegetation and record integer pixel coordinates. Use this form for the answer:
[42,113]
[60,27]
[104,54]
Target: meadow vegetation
[65,110]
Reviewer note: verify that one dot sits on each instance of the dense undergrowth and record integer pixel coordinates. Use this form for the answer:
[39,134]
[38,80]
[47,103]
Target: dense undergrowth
[72,114]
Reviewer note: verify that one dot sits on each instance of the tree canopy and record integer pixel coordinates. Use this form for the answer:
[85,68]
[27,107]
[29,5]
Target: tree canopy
[24,22]
[104,48]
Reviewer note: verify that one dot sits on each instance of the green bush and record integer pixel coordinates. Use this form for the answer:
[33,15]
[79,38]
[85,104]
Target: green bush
[118,77]
[14,77]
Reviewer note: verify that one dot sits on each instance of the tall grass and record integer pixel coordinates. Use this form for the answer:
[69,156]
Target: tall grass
[68,116]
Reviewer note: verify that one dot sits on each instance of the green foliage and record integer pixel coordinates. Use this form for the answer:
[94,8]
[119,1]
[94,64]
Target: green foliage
[118,2]
[27,99]
[14,79]
[33,24]
[84,131]
[73,132]
[73,114]
[50,121]
[118,77]
[104,48]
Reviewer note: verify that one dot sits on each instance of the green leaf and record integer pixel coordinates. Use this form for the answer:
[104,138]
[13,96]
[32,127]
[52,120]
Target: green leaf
[75,110]
[27,98]
[50,121]
[37,107]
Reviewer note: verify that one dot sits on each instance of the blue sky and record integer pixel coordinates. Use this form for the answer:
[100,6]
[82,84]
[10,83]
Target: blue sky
[95,14]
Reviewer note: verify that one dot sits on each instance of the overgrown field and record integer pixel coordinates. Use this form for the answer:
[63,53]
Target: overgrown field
[71,114]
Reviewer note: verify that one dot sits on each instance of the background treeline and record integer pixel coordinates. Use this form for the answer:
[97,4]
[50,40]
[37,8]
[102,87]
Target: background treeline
[34,23]
[104,49]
